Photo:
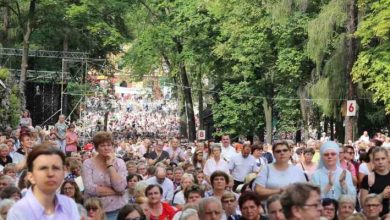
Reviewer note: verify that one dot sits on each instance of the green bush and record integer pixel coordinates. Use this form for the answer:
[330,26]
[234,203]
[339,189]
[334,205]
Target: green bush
[4,73]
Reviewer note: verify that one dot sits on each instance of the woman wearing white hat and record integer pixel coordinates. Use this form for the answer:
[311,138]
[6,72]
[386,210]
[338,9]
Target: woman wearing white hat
[329,176]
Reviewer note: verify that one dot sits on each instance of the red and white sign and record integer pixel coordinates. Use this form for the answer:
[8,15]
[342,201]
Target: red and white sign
[351,108]
[201,135]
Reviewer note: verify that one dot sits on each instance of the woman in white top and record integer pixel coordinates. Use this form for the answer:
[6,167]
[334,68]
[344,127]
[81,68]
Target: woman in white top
[274,178]
[216,162]
[366,166]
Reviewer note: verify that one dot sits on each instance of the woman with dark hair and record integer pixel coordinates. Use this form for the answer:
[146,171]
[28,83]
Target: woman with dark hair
[306,164]
[71,189]
[219,181]
[250,206]
[46,172]
[275,177]
[104,175]
[11,192]
[329,209]
[132,180]
[366,166]
[131,212]
[158,210]
[197,159]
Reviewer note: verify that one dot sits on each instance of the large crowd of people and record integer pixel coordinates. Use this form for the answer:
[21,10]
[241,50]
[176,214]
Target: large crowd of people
[158,176]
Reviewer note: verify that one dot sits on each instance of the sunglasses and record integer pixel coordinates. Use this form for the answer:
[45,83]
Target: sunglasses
[229,201]
[136,218]
[93,208]
[330,154]
[280,151]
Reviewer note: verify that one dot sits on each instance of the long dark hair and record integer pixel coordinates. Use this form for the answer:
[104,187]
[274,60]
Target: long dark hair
[78,197]
[125,210]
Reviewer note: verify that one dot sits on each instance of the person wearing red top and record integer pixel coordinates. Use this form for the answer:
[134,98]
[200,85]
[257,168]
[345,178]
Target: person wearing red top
[71,140]
[158,210]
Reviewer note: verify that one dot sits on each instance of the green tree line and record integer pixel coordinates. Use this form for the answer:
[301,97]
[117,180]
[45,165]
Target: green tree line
[264,66]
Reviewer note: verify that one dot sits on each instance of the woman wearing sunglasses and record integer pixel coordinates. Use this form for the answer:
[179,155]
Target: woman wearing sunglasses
[94,209]
[274,178]
[333,180]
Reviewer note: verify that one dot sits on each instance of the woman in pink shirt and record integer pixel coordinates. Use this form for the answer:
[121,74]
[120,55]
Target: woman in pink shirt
[104,175]
[71,140]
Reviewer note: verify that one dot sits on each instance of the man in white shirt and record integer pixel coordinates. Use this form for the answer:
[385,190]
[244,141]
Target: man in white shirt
[228,150]
[241,165]
[160,179]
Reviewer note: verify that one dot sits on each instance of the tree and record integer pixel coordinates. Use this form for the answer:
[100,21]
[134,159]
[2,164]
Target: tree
[372,67]
[333,48]
[171,31]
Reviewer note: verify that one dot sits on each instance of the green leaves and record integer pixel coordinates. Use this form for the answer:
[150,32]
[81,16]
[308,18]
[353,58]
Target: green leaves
[372,67]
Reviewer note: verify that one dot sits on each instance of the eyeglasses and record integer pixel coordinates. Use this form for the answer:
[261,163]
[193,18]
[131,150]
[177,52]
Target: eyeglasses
[136,218]
[229,201]
[330,154]
[93,208]
[68,188]
[372,205]
[315,205]
[280,151]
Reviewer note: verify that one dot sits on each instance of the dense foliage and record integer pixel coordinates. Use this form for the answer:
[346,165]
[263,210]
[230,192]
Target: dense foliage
[266,67]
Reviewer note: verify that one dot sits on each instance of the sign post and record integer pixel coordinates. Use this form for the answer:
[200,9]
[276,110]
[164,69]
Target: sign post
[201,135]
[351,108]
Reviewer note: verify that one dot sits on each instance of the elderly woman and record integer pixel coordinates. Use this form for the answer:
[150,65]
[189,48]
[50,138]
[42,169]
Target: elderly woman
[186,181]
[104,175]
[275,177]
[4,156]
[346,207]
[216,162]
[330,177]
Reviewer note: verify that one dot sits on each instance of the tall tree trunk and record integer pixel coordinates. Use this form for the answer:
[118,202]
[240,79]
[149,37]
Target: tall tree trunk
[268,120]
[302,94]
[188,101]
[351,55]
[187,93]
[183,115]
[26,45]
[200,99]
[4,33]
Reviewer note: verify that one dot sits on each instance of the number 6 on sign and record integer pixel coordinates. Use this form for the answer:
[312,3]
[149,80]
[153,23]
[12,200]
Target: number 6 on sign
[351,108]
